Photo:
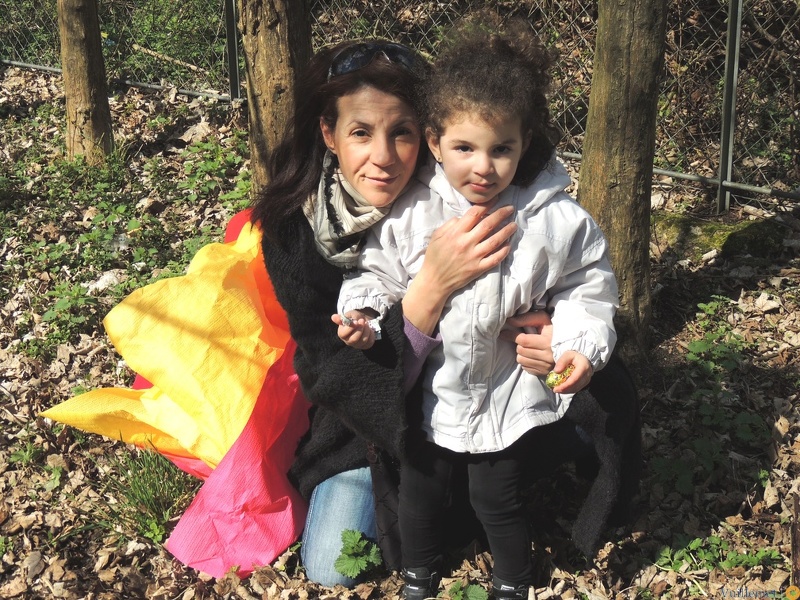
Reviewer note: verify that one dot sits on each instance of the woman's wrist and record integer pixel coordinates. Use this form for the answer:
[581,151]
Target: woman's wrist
[423,305]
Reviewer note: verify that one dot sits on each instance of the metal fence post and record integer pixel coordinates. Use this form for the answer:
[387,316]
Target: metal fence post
[232,44]
[729,104]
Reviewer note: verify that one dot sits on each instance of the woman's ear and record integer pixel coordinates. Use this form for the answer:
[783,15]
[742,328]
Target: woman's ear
[433,144]
[328,135]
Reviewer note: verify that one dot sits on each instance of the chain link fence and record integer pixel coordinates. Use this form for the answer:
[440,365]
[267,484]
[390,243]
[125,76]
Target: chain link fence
[151,42]
[567,25]
[157,42]
[765,137]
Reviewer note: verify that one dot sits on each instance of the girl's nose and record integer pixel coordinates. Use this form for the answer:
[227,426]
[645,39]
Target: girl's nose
[483,165]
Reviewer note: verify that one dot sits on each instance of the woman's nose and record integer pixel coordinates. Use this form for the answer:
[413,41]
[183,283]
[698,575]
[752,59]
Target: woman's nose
[382,151]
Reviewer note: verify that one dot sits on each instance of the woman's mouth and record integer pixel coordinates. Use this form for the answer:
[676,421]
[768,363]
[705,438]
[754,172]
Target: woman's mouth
[382,181]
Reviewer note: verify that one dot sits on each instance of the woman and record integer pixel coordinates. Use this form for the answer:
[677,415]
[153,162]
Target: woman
[351,149]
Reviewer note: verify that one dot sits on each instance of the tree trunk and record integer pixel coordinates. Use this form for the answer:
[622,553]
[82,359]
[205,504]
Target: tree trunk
[276,36]
[617,166]
[88,115]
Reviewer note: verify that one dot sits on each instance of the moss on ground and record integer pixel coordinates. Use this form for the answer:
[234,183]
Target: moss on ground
[691,237]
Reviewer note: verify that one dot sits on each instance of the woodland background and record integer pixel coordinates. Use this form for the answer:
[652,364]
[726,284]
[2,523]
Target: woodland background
[719,385]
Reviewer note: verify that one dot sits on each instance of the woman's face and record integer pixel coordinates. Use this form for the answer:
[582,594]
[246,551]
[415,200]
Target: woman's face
[377,140]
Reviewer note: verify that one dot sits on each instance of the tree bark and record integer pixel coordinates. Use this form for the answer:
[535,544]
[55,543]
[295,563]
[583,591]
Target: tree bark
[617,165]
[276,36]
[88,115]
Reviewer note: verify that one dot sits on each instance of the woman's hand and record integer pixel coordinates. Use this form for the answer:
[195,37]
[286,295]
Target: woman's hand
[467,246]
[533,335]
[458,252]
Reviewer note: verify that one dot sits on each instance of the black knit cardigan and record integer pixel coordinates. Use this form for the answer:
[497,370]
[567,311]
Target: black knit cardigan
[357,396]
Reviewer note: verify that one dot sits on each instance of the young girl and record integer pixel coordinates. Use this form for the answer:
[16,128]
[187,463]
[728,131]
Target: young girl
[491,134]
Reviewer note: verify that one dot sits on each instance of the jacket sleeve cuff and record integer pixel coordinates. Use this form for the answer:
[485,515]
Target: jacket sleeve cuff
[362,302]
[597,355]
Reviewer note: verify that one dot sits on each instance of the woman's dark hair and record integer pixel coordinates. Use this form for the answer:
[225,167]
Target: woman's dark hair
[496,71]
[295,165]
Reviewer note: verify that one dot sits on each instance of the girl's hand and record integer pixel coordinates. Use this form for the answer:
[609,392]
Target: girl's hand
[579,378]
[533,337]
[357,334]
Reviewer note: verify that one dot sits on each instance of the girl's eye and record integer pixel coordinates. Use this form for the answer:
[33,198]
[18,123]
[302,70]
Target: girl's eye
[502,150]
[462,148]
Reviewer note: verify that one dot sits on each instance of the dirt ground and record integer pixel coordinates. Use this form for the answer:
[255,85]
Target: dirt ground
[720,427]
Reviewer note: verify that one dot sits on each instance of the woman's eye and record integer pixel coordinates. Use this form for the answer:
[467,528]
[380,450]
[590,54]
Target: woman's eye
[359,133]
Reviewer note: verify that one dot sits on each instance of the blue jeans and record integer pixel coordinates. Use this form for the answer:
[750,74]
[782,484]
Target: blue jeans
[341,502]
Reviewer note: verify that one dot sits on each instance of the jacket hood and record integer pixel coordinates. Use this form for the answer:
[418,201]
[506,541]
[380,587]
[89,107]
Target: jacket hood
[552,180]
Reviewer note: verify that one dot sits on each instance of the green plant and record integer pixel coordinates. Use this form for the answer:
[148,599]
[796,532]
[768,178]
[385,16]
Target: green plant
[54,481]
[42,43]
[674,472]
[644,593]
[239,197]
[763,477]
[458,591]
[173,41]
[716,352]
[79,389]
[362,27]
[143,491]
[72,309]
[745,427]
[210,167]
[358,556]
[710,311]
[6,545]
[710,453]
[158,122]
[713,552]
[26,455]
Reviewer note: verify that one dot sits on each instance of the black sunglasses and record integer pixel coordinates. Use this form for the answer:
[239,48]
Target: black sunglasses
[360,55]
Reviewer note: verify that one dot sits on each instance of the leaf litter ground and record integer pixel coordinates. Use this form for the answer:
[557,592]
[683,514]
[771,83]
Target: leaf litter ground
[719,401]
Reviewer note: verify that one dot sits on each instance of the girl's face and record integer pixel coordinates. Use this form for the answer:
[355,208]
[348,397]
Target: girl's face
[377,140]
[479,158]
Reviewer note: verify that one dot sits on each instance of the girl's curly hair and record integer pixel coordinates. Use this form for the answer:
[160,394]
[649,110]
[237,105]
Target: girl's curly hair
[495,70]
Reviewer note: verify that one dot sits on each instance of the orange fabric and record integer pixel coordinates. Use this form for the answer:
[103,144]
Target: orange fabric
[224,402]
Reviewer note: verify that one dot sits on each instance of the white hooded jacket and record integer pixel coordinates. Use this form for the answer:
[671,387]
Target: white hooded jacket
[476,397]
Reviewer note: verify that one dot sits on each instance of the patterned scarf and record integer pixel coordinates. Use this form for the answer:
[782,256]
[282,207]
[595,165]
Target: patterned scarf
[339,216]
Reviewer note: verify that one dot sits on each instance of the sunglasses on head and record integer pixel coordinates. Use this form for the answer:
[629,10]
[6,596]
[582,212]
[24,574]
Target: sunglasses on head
[360,55]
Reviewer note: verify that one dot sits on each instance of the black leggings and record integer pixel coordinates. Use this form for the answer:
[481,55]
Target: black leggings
[494,492]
